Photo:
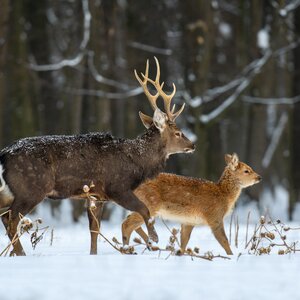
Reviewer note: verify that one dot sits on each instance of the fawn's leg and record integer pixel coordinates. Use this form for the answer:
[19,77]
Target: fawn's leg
[142,234]
[131,223]
[220,235]
[129,201]
[185,235]
[94,215]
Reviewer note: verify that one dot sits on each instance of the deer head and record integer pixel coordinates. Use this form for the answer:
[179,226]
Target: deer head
[241,171]
[176,141]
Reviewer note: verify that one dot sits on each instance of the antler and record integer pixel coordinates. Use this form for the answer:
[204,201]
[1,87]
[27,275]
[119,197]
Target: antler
[153,98]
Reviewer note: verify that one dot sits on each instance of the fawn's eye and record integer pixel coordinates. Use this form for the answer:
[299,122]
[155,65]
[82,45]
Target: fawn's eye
[246,171]
[178,134]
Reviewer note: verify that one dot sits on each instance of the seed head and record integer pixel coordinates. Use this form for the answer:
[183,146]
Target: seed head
[262,220]
[270,235]
[86,189]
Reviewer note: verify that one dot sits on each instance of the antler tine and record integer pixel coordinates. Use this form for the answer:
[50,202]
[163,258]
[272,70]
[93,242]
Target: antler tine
[166,98]
[159,87]
[152,98]
[175,115]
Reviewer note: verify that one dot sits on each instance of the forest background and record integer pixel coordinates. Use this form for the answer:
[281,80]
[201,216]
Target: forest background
[66,67]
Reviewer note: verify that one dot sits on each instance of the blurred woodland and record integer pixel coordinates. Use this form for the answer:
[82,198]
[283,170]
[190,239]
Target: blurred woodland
[66,66]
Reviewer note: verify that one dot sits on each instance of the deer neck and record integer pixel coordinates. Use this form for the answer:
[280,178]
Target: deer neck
[230,187]
[151,149]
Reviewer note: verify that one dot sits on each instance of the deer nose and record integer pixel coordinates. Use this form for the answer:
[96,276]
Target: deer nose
[190,149]
[259,178]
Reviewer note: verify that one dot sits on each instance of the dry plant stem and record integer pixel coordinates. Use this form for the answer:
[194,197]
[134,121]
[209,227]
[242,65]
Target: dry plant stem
[171,233]
[259,240]
[230,226]
[247,228]
[52,237]
[237,227]
[98,226]
[14,240]
[107,240]
[254,234]
[281,237]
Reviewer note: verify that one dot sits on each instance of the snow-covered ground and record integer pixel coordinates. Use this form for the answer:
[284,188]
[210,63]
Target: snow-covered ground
[65,270]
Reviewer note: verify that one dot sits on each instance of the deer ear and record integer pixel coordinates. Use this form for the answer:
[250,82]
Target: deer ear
[228,158]
[146,120]
[159,119]
[232,161]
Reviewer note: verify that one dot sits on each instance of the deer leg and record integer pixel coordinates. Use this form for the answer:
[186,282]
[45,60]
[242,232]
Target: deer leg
[94,214]
[220,235]
[142,234]
[11,229]
[129,201]
[185,235]
[132,222]
[11,221]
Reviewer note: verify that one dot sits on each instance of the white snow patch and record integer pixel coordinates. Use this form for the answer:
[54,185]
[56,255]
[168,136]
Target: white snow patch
[263,39]
[65,270]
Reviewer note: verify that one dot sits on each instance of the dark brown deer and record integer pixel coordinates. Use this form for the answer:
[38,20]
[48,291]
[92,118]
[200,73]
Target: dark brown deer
[193,201]
[58,167]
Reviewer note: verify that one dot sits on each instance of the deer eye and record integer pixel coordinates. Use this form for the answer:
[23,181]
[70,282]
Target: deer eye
[178,134]
[246,171]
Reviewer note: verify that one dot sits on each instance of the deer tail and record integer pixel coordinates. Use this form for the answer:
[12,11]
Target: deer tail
[2,181]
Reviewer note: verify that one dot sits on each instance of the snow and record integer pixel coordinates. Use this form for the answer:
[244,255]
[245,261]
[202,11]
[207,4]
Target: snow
[225,30]
[263,39]
[65,270]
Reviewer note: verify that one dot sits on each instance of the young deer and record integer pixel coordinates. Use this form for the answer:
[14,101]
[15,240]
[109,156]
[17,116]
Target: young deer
[58,167]
[192,201]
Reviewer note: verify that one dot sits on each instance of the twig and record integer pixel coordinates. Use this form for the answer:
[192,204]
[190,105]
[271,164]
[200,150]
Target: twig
[248,219]
[230,226]
[171,232]
[237,227]
[52,237]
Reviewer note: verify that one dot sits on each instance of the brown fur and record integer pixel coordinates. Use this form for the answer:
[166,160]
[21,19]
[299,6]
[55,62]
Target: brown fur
[193,201]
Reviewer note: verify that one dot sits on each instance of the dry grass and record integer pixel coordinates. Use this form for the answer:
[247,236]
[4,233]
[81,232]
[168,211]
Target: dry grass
[26,226]
[271,237]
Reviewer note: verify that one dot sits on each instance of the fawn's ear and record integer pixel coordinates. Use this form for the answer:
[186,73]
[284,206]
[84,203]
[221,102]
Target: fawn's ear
[160,120]
[146,120]
[232,161]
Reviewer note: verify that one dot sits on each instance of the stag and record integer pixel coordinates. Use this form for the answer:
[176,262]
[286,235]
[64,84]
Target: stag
[59,166]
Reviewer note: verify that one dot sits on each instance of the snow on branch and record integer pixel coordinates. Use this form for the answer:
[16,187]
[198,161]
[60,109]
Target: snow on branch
[99,78]
[287,48]
[259,63]
[289,7]
[71,62]
[108,95]
[150,49]
[242,82]
[213,93]
[271,101]
[275,140]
